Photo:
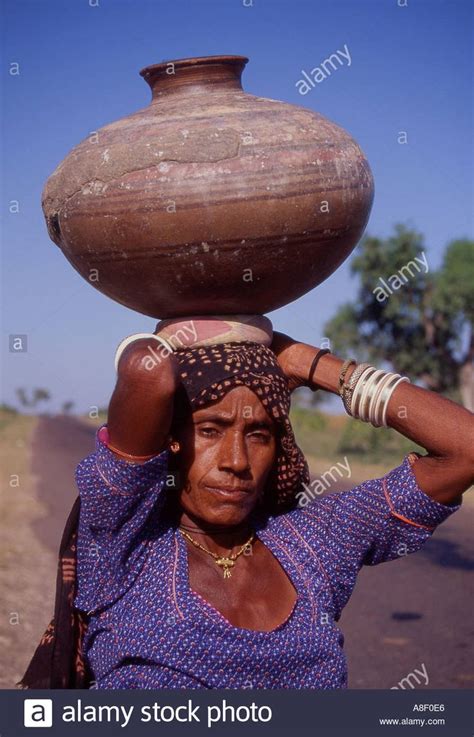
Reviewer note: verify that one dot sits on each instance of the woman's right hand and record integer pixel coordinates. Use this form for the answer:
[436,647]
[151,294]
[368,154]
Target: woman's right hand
[141,407]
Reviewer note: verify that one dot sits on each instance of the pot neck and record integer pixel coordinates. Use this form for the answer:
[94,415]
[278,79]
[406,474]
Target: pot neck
[194,76]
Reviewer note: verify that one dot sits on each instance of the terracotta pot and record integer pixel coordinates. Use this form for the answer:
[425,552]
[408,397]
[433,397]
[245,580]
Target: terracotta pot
[210,200]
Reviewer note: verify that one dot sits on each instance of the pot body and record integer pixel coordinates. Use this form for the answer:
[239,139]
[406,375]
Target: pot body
[210,200]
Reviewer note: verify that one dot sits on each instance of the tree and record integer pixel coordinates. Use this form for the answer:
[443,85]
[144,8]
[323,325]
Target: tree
[22,397]
[418,320]
[38,395]
[4,407]
[66,407]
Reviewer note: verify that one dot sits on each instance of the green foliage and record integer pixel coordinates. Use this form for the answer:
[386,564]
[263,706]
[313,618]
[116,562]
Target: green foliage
[373,443]
[455,293]
[307,420]
[424,328]
[7,415]
[327,436]
[308,424]
[8,408]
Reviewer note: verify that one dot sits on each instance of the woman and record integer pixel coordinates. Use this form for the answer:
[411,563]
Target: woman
[195,567]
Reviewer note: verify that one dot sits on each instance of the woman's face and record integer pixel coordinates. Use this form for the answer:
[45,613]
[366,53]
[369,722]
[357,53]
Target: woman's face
[227,452]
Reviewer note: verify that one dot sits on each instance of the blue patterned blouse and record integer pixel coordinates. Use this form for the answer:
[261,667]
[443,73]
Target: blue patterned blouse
[149,629]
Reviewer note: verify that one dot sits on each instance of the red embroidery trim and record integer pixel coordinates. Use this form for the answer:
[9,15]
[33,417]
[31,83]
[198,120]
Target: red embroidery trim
[400,516]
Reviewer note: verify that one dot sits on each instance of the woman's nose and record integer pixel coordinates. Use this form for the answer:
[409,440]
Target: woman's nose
[233,452]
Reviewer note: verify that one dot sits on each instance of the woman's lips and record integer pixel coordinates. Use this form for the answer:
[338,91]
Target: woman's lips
[227,492]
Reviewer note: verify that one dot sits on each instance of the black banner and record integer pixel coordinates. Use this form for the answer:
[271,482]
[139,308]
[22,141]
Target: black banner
[317,713]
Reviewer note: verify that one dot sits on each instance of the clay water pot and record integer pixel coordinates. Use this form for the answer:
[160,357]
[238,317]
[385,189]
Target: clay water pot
[209,200]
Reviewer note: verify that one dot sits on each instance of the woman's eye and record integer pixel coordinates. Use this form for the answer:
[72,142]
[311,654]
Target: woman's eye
[261,437]
[208,431]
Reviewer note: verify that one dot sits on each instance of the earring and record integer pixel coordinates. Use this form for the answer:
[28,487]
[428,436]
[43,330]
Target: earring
[175,446]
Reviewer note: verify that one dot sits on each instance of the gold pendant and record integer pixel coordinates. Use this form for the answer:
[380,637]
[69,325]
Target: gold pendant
[227,564]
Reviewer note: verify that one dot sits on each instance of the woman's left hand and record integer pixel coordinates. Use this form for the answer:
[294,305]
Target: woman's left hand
[294,358]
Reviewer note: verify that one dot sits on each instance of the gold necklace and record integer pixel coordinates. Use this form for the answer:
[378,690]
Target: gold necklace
[226,562]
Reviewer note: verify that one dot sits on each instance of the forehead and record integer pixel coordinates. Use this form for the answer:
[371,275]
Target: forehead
[236,402]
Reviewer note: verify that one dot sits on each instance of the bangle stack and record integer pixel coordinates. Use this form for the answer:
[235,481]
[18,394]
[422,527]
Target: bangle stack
[367,394]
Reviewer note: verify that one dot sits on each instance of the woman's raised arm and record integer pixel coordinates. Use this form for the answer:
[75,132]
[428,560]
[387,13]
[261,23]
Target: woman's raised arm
[141,406]
[441,426]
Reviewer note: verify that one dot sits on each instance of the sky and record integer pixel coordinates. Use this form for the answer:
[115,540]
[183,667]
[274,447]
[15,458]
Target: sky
[78,63]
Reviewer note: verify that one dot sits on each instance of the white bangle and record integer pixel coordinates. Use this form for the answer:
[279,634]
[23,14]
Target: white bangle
[137,336]
[373,396]
[363,411]
[359,385]
[392,389]
[378,400]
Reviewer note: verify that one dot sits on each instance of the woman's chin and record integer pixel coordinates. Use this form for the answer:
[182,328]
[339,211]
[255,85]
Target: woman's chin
[226,515]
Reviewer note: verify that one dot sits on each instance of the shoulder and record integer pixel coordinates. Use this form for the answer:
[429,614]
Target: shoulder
[370,503]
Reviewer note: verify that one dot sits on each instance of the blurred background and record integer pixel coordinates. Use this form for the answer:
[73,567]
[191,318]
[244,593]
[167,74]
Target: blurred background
[70,68]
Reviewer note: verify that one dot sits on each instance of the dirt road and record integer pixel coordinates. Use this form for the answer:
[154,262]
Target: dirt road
[58,445]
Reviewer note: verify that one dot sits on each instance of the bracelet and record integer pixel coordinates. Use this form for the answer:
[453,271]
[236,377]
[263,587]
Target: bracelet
[344,368]
[378,399]
[391,390]
[371,390]
[137,336]
[322,352]
[355,397]
[129,457]
[375,392]
[348,389]
[358,390]
[104,437]
[365,392]
[368,392]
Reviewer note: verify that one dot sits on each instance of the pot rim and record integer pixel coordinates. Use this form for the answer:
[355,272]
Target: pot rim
[193,61]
